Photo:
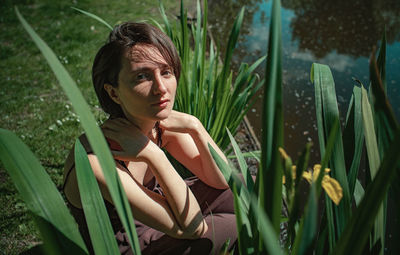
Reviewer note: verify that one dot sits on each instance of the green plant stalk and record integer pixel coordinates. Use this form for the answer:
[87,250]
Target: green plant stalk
[270,174]
[358,228]
[99,225]
[294,206]
[93,133]
[308,225]
[378,77]
[289,181]
[381,62]
[57,226]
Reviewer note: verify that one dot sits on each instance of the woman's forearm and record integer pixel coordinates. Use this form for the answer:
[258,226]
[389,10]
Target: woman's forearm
[181,200]
[211,172]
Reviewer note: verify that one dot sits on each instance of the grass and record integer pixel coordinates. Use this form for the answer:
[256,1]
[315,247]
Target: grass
[32,104]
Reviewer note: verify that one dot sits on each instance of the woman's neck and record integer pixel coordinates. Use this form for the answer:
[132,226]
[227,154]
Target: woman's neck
[146,126]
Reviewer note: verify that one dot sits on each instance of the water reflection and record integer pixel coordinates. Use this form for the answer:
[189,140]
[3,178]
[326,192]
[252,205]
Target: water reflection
[347,27]
[222,15]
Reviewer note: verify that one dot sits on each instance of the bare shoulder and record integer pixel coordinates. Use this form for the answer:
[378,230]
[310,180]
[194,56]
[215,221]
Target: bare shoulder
[175,138]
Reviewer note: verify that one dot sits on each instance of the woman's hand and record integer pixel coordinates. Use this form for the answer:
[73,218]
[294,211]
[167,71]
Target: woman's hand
[179,122]
[135,145]
[187,141]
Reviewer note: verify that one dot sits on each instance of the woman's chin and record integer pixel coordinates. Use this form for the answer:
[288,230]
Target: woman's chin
[160,117]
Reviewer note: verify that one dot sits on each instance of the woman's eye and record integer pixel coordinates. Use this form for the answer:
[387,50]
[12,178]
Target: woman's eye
[142,76]
[167,72]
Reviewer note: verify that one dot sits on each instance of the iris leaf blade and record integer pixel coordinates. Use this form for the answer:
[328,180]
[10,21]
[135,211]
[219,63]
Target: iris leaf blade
[58,227]
[270,173]
[99,225]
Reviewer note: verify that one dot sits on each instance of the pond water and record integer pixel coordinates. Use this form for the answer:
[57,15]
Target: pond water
[340,34]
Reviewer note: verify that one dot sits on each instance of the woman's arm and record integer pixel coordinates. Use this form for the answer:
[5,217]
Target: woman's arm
[178,213]
[187,140]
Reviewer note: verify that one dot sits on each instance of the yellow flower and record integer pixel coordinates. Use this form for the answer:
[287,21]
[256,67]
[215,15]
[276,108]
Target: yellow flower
[330,185]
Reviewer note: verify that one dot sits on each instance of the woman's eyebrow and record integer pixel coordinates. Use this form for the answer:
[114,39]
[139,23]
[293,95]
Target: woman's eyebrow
[141,69]
[150,68]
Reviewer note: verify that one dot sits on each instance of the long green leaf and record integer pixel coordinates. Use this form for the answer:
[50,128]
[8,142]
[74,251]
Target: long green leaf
[99,225]
[270,174]
[231,45]
[248,180]
[231,177]
[251,154]
[93,16]
[359,226]
[370,136]
[327,113]
[58,227]
[353,137]
[165,19]
[374,162]
[93,132]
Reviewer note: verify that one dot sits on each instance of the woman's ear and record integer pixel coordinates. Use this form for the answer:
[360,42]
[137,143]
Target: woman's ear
[112,93]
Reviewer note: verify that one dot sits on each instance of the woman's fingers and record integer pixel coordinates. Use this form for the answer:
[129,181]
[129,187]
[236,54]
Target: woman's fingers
[178,122]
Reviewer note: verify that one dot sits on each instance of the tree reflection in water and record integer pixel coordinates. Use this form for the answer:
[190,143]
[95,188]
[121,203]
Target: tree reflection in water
[345,26]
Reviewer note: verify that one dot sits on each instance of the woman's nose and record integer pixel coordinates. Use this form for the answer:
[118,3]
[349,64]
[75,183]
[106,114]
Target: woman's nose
[159,84]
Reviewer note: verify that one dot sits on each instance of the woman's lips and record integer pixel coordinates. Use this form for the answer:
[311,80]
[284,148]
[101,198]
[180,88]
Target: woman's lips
[162,103]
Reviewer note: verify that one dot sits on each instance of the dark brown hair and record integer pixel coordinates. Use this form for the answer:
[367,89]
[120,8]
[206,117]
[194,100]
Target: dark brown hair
[107,63]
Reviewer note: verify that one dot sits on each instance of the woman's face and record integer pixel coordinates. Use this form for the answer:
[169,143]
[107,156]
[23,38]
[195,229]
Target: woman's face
[146,85]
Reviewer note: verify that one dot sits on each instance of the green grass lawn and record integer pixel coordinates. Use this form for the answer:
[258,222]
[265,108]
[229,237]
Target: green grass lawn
[32,103]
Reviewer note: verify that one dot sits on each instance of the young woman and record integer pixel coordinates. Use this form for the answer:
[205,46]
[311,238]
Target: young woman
[135,75]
